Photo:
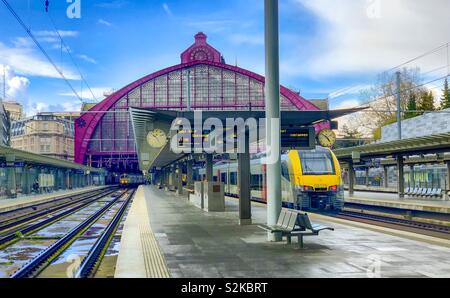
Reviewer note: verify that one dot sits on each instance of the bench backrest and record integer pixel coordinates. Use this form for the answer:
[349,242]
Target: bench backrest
[281,218]
[287,219]
[304,222]
[292,221]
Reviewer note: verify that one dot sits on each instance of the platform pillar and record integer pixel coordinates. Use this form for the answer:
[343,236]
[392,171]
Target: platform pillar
[367,177]
[244,173]
[386,177]
[273,117]
[448,178]
[412,179]
[67,180]
[11,187]
[190,174]
[401,177]
[209,168]
[26,180]
[180,179]
[351,179]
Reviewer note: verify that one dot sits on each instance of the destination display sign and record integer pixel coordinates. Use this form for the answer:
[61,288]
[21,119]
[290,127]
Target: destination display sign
[303,138]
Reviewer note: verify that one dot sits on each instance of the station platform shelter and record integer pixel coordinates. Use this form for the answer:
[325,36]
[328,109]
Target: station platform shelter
[404,157]
[28,174]
[166,235]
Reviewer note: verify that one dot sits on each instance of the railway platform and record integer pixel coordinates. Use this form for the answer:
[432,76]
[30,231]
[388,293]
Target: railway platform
[394,201]
[26,201]
[166,236]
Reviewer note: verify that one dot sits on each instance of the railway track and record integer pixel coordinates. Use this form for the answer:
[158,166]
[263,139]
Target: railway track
[35,266]
[13,230]
[424,228]
[8,218]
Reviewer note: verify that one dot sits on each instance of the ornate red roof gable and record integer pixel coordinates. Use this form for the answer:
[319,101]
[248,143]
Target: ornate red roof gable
[201,51]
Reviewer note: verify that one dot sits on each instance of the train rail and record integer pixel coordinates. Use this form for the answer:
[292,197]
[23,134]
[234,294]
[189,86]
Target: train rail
[24,226]
[389,221]
[35,266]
[19,216]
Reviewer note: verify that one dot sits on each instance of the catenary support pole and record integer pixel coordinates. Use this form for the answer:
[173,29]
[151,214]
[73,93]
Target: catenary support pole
[399,105]
[401,177]
[272,86]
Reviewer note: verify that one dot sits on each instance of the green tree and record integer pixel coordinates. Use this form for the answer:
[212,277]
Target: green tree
[350,137]
[427,101]
[412,107]
[445,99]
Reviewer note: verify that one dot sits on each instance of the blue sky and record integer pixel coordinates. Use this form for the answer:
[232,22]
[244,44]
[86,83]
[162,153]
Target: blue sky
[326,45]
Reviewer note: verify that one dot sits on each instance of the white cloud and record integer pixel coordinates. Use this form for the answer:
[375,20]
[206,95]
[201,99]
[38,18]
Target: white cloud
[49,34]
[27,61]
[87,59]
[34,108]
[99,93]
[16,86]
[104,22]
[355,36]
[167,9]
[352,90]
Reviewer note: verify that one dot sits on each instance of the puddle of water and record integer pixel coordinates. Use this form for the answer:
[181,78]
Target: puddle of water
[15,256]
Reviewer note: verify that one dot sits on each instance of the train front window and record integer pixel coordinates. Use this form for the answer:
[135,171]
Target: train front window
[317,163]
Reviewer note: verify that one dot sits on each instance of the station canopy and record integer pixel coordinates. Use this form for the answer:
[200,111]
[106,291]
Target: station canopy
[104,135]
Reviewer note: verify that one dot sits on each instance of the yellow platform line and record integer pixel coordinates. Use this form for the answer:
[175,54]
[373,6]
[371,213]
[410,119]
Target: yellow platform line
[140,255]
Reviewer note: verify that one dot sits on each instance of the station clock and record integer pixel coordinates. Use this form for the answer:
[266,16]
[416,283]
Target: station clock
[157,138]
[327,138]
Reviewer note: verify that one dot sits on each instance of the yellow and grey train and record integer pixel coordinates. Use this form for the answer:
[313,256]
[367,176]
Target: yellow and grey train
[127,180]
[311,180]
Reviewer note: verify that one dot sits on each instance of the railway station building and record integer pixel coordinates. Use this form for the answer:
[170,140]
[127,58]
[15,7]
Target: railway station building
[203,81]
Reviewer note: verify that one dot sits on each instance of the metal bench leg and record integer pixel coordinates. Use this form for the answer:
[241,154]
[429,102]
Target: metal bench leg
[300,241]
[289,240]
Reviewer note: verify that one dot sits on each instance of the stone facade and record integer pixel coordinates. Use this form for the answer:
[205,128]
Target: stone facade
[14,109]
[4,126]
[44,134]
[425,125]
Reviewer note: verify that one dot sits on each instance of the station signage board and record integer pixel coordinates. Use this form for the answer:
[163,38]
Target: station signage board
[303,138]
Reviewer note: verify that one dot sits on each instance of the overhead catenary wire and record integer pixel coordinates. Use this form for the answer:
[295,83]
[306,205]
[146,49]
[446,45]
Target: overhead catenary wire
[64,45]
[445,46]
[33,38]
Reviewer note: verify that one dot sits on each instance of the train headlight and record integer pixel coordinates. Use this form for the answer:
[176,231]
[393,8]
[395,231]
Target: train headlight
[308,188]
[334,188]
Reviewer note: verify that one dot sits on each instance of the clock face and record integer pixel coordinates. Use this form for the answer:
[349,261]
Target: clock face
[157,138]
[327,138]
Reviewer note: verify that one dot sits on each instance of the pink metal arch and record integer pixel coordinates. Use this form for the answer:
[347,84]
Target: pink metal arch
[88,122]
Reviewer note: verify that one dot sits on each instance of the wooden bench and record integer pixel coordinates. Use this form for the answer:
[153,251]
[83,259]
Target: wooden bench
[307,228]
[285,226]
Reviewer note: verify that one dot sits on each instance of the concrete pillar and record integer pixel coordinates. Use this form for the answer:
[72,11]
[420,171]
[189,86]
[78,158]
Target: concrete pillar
[11,176]
[386,176]
[27,181]
[68,180]
[351,179]
[367,177]
[209,168]
[180,179]
[401,177]
[274,202]
[448,177]
[166,177]
[244,180]
[190,174]
[411,176]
